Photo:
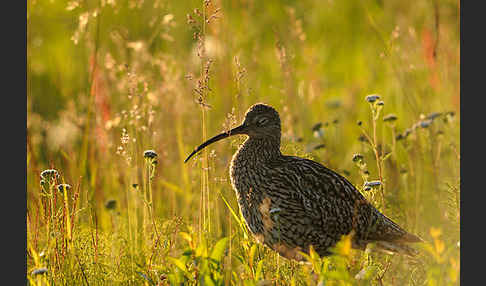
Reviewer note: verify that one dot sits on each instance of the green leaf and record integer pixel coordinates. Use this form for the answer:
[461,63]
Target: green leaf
[208,281]
[231,210]
[251,257]
[181,265]
[386,156]
[201,249]
[218,250]
[259,270]
[173,279]
[186,236]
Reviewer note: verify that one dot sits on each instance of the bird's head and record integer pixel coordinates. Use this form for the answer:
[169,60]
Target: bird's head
[261,121]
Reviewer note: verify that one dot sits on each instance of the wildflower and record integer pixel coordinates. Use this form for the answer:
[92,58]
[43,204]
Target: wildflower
[357,157]
[110,204]
[407,132]
[433,115]
[317,126]
[49,174]
[425,123]
[274,213]
[149,154]
[390,117]
[317,130]
[371,185]
[125,138]
[372,98]
[366,173]
[62,187]
[362,138]
[319,133]
[320,146]
[359,122]
[39,271]
[449,116]
[380,103]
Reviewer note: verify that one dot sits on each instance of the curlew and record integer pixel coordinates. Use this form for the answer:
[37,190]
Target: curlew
[290,203]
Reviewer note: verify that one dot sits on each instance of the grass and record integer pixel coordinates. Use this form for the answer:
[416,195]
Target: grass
[109,80]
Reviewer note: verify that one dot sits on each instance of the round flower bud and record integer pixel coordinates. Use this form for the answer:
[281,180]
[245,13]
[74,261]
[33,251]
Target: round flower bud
[149,154]
[390,118]
[357,157]
[39,271]
[49,174]
[110,204]
[62,187]
[372,98]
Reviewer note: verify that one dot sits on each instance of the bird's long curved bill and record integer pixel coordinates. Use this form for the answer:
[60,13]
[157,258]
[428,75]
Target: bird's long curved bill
[237,130]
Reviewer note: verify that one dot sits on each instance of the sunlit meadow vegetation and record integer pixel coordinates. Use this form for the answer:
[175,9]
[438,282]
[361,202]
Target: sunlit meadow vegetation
[120,92]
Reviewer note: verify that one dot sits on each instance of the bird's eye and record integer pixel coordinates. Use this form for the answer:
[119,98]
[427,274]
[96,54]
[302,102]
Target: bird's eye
[262,121]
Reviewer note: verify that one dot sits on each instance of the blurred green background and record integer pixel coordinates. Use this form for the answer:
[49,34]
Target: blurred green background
[109,79]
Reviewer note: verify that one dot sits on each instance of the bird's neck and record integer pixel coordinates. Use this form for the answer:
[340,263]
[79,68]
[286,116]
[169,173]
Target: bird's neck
[260,150]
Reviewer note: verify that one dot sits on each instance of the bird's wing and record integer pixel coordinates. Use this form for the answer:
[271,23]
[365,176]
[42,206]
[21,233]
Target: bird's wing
[336,201]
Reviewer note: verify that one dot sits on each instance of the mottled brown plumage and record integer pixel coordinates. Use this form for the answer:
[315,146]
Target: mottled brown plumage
[290,203]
